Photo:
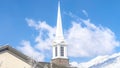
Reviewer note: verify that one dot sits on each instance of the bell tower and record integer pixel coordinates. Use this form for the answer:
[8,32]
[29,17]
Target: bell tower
[59,44]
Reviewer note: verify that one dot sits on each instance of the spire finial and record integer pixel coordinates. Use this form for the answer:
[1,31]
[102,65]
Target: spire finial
[59,32]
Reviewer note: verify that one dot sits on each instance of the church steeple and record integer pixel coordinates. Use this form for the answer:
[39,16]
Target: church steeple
[59,43]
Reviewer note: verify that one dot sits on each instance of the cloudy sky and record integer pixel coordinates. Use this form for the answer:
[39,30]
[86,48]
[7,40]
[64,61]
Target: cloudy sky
[91,27]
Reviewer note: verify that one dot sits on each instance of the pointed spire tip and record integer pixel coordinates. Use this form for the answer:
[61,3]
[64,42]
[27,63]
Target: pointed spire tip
[59,32]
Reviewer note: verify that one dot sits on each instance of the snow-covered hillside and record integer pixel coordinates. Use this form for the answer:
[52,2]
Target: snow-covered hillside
[108,61]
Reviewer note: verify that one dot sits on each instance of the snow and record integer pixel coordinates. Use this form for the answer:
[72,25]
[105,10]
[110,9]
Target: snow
[107,61]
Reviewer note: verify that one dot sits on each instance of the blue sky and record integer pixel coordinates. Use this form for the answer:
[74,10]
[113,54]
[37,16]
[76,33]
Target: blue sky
[17,15]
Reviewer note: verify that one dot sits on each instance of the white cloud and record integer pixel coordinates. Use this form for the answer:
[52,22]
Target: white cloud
[74,64]
[43,40]
[90,40]
[45,36]
[85,13]
[27,49]
[84,39]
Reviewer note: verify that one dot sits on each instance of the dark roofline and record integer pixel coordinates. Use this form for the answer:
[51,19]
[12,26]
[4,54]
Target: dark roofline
[14,52]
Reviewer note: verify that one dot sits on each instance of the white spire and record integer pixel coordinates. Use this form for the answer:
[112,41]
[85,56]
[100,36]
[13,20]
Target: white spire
[59,43]
[59,32]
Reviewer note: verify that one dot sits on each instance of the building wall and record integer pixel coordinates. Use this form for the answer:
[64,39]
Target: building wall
[61,61]
[8,60]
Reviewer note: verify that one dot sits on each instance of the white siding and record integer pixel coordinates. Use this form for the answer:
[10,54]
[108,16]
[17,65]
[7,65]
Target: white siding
[7,60]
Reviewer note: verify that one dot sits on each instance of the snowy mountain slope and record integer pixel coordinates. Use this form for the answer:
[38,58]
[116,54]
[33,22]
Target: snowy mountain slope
[108,61]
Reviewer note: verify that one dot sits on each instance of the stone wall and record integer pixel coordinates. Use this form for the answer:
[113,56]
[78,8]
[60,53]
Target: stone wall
[61,61]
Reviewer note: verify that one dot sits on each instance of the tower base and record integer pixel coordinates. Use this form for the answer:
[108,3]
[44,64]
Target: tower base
[61,61]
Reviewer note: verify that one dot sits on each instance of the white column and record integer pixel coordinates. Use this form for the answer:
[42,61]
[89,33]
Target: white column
[65,51]
[58,50]
[53,52]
